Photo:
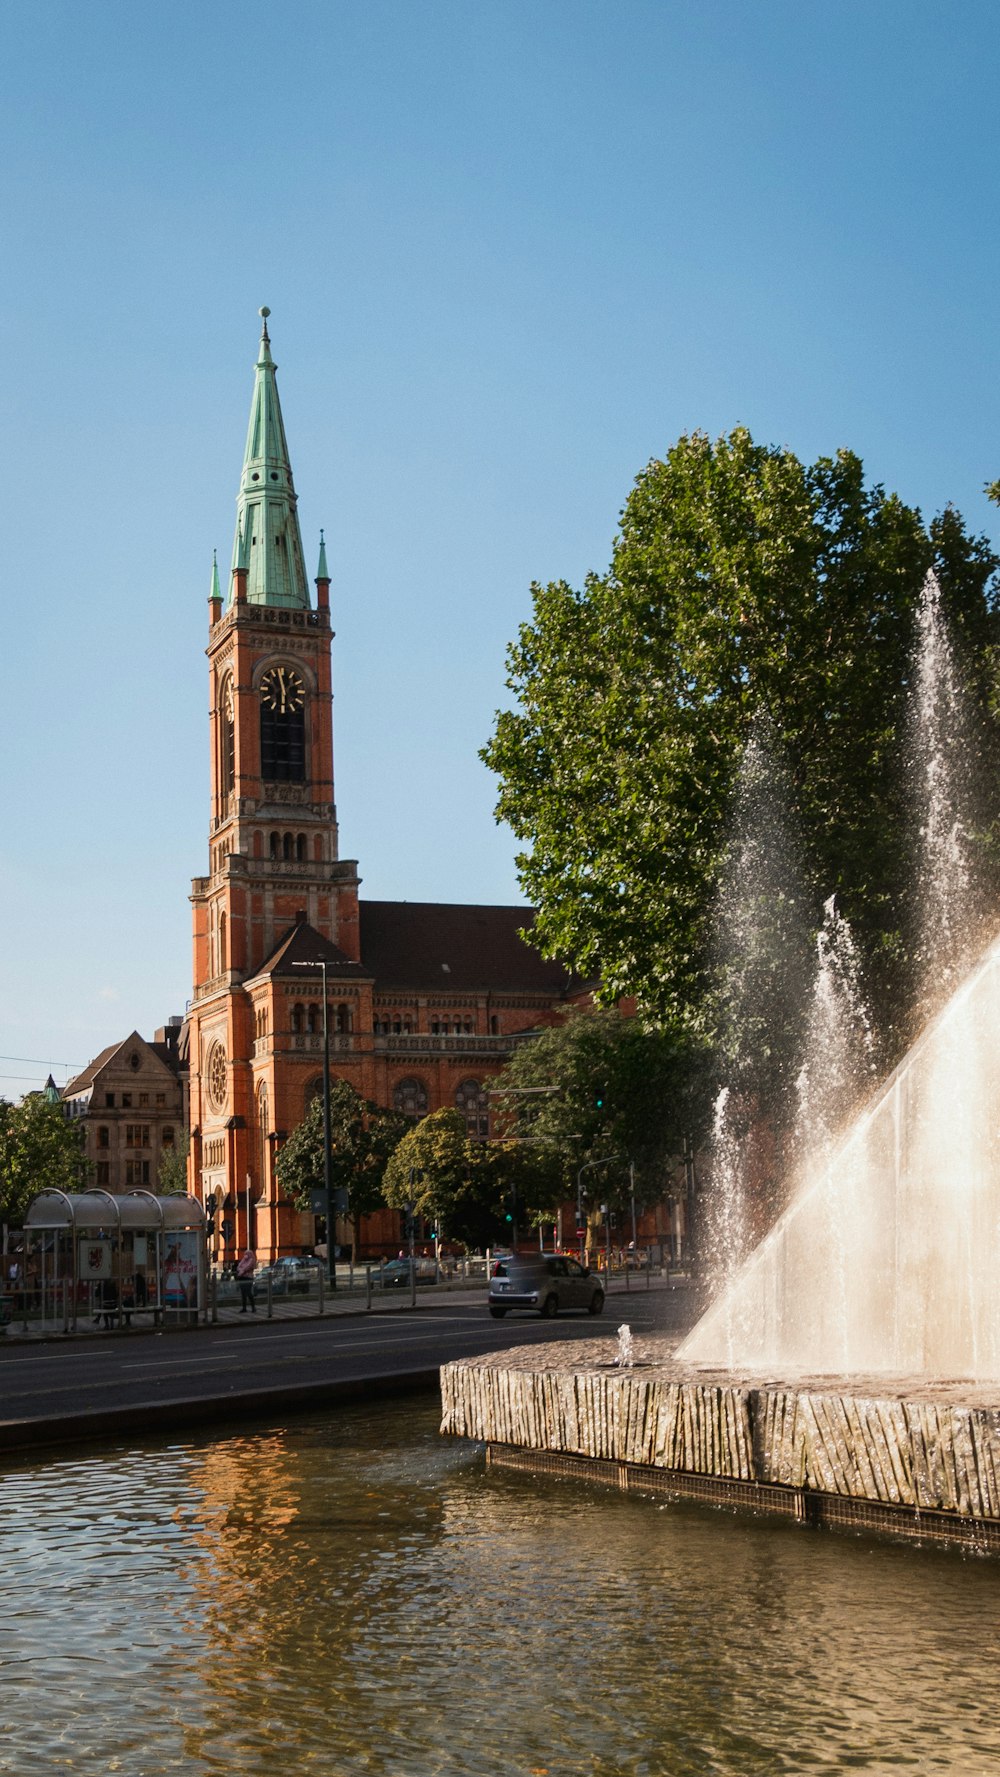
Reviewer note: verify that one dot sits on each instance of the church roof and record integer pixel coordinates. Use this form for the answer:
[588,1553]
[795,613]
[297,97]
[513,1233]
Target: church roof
[438,948]
[268,542]
[303,944]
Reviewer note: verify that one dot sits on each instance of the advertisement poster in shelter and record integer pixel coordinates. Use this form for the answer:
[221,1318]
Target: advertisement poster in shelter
[180,1270]
[95,1259]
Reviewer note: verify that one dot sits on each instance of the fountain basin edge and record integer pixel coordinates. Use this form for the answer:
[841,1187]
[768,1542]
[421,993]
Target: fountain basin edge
[907,1456]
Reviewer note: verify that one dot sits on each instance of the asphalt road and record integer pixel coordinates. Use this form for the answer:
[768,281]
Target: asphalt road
[84,1388]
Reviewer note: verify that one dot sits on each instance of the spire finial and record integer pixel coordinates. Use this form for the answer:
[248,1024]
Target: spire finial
[216,592]
[322,572]
[263,313]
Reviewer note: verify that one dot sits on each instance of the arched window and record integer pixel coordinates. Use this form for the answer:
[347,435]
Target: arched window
[343,1018]
[223,953]
[286,848]
[282,726]
[227,742]
[262,1143]
[471,1100]
[410,1097]
[275,845]
[312,1019]
[300,849]
[296,1018]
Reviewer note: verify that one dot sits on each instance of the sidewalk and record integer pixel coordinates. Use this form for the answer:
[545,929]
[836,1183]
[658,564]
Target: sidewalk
[226,1311]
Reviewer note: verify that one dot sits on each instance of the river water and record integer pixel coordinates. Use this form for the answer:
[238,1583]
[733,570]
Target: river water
[353,1594]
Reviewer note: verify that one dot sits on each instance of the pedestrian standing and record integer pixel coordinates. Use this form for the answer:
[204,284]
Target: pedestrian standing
[244,1274]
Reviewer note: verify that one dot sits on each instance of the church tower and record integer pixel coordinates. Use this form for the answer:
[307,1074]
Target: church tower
[277,914]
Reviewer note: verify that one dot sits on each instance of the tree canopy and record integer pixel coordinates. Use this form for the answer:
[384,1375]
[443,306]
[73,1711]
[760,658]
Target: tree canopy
[40,1150]
[602,1092]
[362,1137]
[743,584]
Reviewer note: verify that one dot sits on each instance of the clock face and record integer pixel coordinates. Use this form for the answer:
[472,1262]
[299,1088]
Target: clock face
[282,690]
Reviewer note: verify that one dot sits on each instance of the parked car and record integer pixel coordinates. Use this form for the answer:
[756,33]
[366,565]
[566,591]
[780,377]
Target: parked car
[544,1282]
[296,1273]
[395,1274]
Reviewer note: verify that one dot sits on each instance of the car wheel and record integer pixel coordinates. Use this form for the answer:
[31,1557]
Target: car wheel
[550,1307]
[497,1313]
[596,1302]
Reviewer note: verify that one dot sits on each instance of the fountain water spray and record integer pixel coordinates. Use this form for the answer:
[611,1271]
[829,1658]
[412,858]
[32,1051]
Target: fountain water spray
[888,1255]
[940,791]
[761,961]
[625,1358]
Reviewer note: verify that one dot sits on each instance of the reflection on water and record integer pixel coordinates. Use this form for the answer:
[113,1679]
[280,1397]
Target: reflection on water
[352,1594]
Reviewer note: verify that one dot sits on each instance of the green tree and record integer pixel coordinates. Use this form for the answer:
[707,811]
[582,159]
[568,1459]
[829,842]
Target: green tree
[434,1167]
[40,1150]
[171,1174]
[362,1137]
[743,583]
[627,1093]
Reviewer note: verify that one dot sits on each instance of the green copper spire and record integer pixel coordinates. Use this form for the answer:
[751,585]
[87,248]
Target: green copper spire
[268,541]
[322,572]
[216,592]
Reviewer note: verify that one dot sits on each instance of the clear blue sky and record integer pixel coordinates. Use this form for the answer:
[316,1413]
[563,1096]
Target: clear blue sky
[512,249]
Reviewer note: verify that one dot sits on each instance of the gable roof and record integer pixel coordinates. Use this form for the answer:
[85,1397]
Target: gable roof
[303,944]
[438,947]
[85,1081]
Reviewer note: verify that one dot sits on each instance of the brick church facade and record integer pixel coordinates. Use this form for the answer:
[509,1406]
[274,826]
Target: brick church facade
[424,1001]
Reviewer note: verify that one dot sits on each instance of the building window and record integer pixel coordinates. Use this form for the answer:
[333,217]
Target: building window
[227,738]
[109,1100]
[143,1099]
[137,1135]
[137,1172]
[104,1172]
[286,848]
[103,1136]
[161,1098]
[312,1019]
[126,1101]
[275,845]
[218,1076]
[296,1018]
[471,1100]
[410,1097]
[168,1136]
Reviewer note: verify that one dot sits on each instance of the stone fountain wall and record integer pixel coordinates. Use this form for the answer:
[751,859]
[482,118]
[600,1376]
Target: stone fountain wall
[875,1451]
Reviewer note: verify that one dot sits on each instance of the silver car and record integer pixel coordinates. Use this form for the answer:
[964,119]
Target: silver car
[545,1282]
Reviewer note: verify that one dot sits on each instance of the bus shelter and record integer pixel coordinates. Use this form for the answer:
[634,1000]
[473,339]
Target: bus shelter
[111,1258]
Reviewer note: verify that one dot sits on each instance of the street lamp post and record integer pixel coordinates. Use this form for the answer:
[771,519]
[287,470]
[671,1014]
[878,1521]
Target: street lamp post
[331,1261]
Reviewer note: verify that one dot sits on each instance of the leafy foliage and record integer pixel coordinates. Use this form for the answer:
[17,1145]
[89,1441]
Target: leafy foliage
[743,583]
[362,1137]
[627,1092]
[40,1150]
[171,1174]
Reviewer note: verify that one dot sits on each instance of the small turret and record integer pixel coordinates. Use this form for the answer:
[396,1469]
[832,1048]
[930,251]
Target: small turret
[322,578]
[215,593]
